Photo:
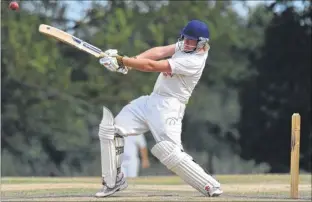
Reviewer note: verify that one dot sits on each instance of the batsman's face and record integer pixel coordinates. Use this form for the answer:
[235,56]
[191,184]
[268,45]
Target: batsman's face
[189,44]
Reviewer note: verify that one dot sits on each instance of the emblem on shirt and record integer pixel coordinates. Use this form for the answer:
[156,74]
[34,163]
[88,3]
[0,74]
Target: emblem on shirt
[171,121]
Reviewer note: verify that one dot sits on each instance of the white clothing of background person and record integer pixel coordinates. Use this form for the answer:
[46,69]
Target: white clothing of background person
[134,146]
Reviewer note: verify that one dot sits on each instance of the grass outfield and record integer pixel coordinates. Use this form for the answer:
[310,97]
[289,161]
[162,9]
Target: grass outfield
[236,188]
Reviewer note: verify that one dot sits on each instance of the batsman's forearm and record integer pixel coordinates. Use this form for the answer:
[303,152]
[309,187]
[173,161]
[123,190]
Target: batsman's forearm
[145,65]
[153,54]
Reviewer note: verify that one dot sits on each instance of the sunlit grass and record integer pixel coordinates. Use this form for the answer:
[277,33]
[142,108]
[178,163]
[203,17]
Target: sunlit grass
[228,179]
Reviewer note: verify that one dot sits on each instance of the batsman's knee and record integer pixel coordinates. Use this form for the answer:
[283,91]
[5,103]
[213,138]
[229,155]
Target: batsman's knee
[107,130]
[169,154]
[175,159]
[106,127]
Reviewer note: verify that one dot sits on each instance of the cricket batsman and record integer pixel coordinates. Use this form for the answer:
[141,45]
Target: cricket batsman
[161,112]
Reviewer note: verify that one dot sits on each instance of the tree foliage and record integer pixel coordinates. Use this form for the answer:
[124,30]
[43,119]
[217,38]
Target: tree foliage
[280,87]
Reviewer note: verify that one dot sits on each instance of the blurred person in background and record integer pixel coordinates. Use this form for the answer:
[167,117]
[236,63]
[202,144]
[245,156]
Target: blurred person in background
[134,144]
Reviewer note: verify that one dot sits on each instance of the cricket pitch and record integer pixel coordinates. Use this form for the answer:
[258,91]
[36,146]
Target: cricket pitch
[168,188]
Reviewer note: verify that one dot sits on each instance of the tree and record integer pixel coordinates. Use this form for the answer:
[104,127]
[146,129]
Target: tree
[280,87]
[41,119]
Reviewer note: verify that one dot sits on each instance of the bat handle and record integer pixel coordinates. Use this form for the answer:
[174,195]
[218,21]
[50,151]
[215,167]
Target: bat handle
[102,55]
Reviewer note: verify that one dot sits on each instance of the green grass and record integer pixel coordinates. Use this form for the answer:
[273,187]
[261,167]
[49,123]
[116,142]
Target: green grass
[34,193]
[166,188]
[166,180]
[32,180]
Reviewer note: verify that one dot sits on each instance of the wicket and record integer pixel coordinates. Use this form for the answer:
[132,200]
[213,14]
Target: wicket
[295,155]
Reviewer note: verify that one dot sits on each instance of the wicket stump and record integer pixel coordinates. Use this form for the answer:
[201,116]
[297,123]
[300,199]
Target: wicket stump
[295,155]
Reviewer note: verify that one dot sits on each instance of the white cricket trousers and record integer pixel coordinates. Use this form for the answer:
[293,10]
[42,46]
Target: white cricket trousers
[159,114]
[130,167]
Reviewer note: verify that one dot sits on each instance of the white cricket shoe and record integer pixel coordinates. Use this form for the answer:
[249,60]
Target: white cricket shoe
[215,191]
[121,184]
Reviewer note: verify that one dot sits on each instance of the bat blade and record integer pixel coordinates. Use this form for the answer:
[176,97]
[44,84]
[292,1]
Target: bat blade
[71,40]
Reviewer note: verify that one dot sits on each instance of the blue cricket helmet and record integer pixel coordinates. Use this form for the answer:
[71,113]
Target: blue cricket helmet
[195,29]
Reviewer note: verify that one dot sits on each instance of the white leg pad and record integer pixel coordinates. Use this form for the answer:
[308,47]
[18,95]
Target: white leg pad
[183,165]
[111,148]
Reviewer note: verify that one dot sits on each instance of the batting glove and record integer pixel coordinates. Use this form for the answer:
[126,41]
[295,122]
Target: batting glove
[114,64]
[111,52]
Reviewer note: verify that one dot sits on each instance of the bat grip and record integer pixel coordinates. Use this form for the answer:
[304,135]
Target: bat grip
[102,54]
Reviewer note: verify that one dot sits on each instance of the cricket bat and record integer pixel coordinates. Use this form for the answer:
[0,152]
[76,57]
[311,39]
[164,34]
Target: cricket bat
[71,40]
